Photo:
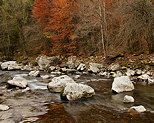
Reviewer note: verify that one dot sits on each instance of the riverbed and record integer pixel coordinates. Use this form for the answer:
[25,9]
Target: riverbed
[40,106]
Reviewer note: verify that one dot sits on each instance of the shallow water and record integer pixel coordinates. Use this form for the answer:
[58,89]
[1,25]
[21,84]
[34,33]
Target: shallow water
[104,107]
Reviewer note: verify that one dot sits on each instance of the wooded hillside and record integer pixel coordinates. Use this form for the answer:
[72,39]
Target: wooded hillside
[80,27]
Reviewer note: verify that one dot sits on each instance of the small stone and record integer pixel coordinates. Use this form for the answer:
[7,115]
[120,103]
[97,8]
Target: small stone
[95,67]
[26,89]
[34,73]
[130,72]
[128,99]
[114,67]
[4,107]
[81,67]
[45,77]
[139,109]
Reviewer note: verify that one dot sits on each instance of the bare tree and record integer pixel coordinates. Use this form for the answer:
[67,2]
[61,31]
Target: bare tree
[91,20]
[136,25]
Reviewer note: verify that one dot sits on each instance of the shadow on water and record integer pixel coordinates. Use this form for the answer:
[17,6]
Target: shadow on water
[104,107]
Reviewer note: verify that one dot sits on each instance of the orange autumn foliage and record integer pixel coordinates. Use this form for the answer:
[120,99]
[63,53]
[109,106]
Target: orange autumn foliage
[55,16]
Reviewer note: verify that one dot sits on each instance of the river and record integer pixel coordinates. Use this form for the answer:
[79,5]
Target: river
[41,106]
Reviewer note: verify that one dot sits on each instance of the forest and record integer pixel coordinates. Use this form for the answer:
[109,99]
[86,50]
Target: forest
[79,27]
[76,61]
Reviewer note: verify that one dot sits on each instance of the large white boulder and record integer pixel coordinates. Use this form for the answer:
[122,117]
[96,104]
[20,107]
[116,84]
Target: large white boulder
[34,73]
[59,83]
[139,109]
[121,84]
[18,81]
[10,65]
[45,61]
[128,99]
[75,91]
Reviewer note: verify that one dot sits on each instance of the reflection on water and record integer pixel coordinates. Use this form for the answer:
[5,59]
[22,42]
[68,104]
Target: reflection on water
[104,107]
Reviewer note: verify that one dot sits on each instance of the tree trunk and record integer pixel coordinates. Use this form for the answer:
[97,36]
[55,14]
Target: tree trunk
[103,27]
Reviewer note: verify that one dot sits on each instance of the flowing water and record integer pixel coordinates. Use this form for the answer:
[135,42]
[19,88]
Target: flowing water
[104,107]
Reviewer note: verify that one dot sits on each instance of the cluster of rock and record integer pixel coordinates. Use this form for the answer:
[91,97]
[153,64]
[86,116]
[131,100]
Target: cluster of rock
[62,84]
[69,89]
[73,65]
[124,84]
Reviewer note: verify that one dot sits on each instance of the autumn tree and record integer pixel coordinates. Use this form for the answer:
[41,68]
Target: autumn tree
[55,17]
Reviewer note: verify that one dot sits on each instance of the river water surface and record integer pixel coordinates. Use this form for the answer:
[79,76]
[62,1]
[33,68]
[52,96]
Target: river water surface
[104,107]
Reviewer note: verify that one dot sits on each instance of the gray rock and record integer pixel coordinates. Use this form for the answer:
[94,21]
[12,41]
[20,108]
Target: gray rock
[121,84]
[45,61]
[114,67]
[139,72]
[144,77]
[27,68]
[81,67]
[72,62]
[4,107]
[58,83]
[18,81]
[52,68]
[45,76]
[128,99]
[10,65]
[34,73]
[95,67]
[75,91]
[130,72]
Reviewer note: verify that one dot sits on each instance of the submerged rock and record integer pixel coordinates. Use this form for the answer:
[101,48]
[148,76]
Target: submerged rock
[18,81]
[4,107]
[128,99]
[121,84]
[59,83]
[75,91]
[138,109]
[34,73]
